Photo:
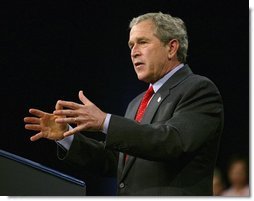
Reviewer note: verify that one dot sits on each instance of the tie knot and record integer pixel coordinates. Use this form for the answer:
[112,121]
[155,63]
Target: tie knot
[150,91]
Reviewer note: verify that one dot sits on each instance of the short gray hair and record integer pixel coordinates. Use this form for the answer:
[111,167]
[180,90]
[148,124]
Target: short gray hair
[167,28]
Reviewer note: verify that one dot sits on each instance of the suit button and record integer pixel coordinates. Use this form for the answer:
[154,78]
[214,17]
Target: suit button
[121,185]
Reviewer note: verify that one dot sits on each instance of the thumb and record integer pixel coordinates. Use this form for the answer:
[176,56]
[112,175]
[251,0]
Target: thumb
[82,98]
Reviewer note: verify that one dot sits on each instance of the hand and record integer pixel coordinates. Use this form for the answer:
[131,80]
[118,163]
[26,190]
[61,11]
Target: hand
[46,124]
[87,116]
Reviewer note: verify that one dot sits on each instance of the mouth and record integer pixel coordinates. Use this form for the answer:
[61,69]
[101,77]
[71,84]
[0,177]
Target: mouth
[138,64]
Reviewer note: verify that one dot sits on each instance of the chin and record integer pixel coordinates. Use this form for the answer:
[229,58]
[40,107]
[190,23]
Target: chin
[143,78]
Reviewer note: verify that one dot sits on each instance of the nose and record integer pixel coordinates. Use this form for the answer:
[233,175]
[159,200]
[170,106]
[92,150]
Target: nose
[135,51]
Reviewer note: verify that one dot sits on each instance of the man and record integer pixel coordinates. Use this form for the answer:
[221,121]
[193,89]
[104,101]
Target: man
[167,141]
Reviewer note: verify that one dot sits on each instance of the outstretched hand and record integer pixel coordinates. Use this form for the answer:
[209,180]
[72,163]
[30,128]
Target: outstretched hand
[87,116]
[46,125]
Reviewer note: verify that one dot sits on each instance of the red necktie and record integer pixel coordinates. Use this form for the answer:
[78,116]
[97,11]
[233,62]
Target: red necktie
[142,107]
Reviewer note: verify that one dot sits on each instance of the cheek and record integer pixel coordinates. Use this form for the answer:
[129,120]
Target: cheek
[156,59]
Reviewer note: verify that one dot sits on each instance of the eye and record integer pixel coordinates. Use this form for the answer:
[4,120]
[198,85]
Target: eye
[143,41]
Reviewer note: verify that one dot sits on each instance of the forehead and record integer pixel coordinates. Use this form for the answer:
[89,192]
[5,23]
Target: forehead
[143,29]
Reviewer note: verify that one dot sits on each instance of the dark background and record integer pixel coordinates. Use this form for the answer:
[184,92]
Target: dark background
[52,49]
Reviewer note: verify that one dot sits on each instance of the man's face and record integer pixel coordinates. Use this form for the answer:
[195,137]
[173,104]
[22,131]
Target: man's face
[148,54]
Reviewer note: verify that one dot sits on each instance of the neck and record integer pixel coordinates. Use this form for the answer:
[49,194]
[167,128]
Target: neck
[166,71]
[172,66]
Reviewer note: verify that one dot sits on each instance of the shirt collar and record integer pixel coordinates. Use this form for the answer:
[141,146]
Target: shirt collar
[157,85]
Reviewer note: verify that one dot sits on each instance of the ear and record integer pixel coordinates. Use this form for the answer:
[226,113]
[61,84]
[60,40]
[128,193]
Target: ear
[173,46]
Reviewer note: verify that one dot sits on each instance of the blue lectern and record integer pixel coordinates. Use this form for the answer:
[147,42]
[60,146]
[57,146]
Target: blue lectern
[22,177]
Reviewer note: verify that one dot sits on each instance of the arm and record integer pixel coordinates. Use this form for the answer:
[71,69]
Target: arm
[196,120]
[89,154]
[85,153]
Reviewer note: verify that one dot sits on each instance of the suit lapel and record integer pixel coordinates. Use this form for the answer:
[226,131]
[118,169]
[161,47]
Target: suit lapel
[127,166]
[163,92]
[153,106]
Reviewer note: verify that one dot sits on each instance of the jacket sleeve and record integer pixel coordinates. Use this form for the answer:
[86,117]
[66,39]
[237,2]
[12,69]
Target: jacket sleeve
[196,120]
[89,154]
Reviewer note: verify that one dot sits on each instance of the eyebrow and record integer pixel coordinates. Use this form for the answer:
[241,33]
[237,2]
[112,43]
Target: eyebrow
[138,40]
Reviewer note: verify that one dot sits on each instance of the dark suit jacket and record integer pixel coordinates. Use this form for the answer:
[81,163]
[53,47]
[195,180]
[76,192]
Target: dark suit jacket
[173,150]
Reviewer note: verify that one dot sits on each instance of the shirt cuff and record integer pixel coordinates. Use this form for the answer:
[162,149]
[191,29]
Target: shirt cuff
[66,142]
[106,124]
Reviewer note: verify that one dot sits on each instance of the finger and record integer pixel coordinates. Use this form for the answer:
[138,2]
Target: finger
[82,98]
[68,104]
[69,113]
[33,127]
[36,137]
[68,133]
[73,131]
[37,112]
[33,120]
[66,120]
[58,106]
